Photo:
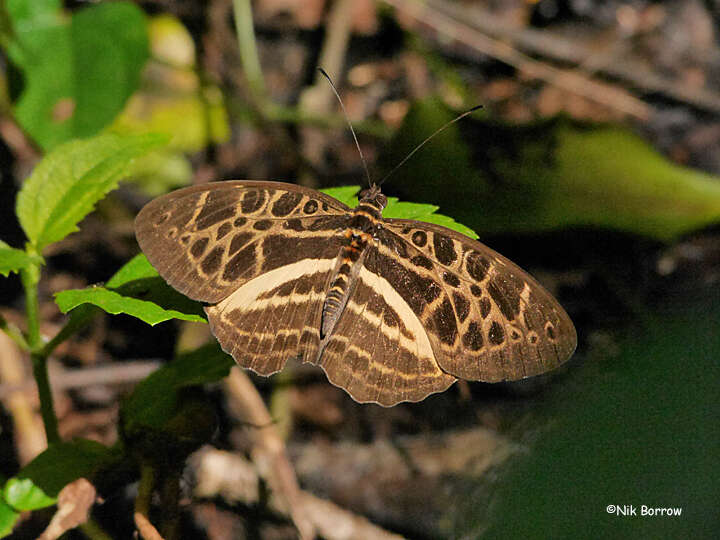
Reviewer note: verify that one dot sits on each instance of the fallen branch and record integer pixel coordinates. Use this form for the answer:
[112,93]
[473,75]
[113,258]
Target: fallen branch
[233,478]
[570,80]
[268,451]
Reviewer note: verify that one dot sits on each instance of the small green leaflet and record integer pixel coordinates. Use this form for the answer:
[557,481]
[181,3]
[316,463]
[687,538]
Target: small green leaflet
[8,518]
[402,210]
[23,494]
[136,290]
[56,467]
[14,260]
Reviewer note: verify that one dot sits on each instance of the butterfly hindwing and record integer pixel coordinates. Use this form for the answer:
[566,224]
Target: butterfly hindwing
[379,351]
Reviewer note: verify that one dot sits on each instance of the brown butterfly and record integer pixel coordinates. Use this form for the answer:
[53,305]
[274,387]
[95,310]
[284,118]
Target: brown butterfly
[392,309]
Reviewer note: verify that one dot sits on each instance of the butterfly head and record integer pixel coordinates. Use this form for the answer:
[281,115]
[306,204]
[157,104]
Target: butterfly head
[373,197]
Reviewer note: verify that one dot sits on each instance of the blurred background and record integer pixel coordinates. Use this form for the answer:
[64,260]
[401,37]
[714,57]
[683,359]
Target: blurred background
[593,164]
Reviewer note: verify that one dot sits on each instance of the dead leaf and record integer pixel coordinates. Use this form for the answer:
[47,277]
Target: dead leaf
[73,508]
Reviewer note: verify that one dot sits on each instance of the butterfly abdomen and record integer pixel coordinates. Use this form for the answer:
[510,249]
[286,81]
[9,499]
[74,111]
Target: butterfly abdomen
[355,242]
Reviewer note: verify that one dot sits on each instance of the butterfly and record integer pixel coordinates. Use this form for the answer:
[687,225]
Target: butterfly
[391,309]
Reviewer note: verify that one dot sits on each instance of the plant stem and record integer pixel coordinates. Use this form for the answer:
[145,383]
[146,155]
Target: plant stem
[30,277]
[248,49]
[14,333]
[47,409]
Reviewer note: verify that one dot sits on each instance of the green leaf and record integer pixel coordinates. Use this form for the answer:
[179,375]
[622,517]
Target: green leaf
[67,183]
[8,518]
[63,463]
[345,194]
[23,494]
[154,400]
[33,13]
[499,178]
[78,71]
[426,213]
[135,269]
[401,210]
[14,260]
[138,291]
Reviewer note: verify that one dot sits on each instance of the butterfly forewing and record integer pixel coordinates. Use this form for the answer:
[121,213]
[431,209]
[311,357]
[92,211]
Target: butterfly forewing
[487,319]
[207,240]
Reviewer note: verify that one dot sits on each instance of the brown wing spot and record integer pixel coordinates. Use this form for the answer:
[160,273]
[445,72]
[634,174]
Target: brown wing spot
[496,334]
[212,260]
[162,219]
[451,279]
[532,337]
[422,261]
[485,307]
[240,263]
[550,331]
[327,223]
[223,230]
[325,206]
[390,318]
[171,232]
[198,248]
[304,285]
[444,249]
[416,290]
[219,206]
[444,318]
[262,225]
[239,222]
[252,201]
[462,306]
[473,339]
[286,289]
[475,290]
[310,207]
[405,230]
[476,265]
[185,239]
[294,225]
[286,203]
[419,238]
[514,334]
[279,250]
[504,292]
[431,291]
[238,241]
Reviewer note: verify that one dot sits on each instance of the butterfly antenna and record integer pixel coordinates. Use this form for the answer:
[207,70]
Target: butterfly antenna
[419,146]
[342,105]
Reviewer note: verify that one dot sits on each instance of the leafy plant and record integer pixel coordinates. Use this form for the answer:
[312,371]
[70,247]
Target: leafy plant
[61,191]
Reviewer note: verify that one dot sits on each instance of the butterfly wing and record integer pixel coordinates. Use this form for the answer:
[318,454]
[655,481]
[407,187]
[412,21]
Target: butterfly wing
[261,252]
[485,318]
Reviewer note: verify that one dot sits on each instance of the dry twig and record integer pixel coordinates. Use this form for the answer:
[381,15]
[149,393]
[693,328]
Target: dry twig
[268,451]
[29,434]
[569,80]
[233,478]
